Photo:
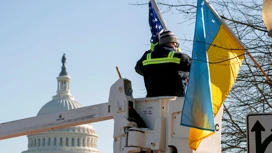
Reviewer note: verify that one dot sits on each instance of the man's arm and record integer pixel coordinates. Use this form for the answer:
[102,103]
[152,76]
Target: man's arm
[139,68]
[185,62]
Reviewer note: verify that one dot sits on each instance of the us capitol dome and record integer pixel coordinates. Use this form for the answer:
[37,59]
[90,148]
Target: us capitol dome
[77,139]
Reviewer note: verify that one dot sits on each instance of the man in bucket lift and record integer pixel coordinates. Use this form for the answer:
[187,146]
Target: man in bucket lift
[165,69]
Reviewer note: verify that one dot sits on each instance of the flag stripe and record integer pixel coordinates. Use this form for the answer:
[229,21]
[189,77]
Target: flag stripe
[223,72]
[196,135]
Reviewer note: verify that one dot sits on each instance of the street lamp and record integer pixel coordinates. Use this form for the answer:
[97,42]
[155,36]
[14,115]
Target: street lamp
[267,15]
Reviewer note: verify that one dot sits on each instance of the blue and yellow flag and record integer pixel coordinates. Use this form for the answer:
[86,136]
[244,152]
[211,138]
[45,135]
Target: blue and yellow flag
[216,59]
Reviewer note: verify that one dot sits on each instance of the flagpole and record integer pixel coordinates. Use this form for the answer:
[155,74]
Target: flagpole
[158,13]
[238,40]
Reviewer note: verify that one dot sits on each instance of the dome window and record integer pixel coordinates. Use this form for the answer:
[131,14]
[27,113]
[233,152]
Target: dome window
[55,141]
[43,142]
[67,141]
[78,142]
[49,142]
[73,142]
[61,143]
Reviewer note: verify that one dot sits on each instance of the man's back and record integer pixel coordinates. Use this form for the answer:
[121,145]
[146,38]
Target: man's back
[162,75]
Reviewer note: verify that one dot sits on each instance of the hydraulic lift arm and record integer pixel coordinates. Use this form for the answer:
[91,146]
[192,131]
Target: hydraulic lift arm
[54,121]
[161,132]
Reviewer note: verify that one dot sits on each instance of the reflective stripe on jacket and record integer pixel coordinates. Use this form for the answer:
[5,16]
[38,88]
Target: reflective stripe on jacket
[169,59]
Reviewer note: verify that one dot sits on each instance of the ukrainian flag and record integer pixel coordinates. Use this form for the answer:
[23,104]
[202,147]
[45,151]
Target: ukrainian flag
[216,60]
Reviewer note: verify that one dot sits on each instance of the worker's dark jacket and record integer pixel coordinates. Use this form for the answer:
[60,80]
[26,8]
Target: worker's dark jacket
[164,77]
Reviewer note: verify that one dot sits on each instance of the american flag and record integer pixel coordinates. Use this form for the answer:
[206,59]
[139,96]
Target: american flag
[156,26]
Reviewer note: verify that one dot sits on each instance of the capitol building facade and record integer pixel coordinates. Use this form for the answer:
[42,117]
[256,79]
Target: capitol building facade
[77,139]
